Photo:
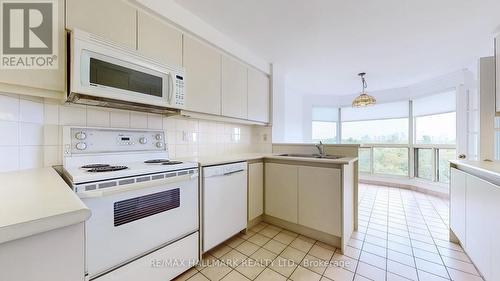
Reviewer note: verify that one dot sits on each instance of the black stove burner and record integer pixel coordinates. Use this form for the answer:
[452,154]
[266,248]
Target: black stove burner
[92,166]
[107,169]
[172,163]
[156,161]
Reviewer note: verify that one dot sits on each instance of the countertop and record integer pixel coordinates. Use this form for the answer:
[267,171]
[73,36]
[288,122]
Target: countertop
[36,201]
[489,170]
[224,159]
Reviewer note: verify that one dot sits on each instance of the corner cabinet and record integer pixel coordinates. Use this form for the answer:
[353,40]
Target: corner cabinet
[203,72]
[258,96]
[255,190]
[158,40]
[234,88]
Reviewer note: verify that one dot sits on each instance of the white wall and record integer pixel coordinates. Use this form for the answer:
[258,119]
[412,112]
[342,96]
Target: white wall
[298,105]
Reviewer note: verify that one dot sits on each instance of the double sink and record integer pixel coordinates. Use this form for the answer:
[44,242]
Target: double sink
[318,156]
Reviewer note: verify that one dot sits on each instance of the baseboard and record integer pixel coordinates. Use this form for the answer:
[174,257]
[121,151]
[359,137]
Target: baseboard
[407,186]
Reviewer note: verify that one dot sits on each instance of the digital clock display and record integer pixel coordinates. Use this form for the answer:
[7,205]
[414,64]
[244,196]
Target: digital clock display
[125,138]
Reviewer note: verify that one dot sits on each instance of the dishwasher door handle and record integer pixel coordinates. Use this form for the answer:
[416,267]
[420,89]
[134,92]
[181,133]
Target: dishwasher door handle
[225,174]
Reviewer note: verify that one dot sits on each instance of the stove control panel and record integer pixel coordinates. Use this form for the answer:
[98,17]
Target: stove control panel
[96,140]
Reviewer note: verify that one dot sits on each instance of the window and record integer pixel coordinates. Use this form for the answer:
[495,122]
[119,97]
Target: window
[324,124]
[436,129]
[435,119]
[424,163]
[381,123]
[376,131]
[444,156]
[390,161]
[365,162]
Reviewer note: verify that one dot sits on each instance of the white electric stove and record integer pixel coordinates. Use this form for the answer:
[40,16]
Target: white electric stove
[144,205]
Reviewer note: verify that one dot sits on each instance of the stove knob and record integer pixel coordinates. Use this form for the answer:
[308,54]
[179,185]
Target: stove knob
[80,136]
[143,140]
[158,137]
[81,146]
[159,144]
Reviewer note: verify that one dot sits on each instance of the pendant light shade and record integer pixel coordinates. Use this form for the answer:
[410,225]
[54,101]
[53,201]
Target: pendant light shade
[363,99]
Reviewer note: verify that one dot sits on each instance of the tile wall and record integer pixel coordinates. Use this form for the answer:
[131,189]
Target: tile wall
[31,131]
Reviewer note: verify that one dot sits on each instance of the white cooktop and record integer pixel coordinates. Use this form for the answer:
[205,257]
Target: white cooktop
[79,175]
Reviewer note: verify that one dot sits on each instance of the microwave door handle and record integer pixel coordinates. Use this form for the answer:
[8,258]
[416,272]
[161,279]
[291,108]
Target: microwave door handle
[130,187]
[171,88]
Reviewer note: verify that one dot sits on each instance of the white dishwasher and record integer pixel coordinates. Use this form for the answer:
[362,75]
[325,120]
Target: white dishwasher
[224,202]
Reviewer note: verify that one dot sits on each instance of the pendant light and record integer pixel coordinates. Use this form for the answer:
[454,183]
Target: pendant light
[363,99]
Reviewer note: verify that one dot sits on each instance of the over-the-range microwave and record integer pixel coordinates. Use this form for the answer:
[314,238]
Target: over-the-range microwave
[103,73]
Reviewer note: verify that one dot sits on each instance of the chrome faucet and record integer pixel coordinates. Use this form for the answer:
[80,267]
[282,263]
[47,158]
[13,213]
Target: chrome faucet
[321,149]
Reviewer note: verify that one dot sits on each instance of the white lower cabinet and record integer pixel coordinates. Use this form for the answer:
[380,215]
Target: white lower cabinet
[320,199]
[50,256]
[457,204]
[255,190]
[281,191]
[304,195]
[475,220]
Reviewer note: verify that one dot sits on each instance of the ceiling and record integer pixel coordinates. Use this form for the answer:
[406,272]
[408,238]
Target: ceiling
[322,44]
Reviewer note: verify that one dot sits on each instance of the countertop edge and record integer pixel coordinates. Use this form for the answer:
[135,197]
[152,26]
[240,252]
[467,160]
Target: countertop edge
[28,228]
[241,158]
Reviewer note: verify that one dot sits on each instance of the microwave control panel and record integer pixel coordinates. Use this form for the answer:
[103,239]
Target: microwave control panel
[179,91]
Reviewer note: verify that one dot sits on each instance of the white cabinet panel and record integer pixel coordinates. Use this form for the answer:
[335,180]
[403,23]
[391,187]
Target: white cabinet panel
[497,58]
[203,72]
[281,191]
[53,255]
[50,79]
[479,208]
[255,190]
[258,96]
[234,88]
[114,20]
[158,40]
[457,204]
[320,199]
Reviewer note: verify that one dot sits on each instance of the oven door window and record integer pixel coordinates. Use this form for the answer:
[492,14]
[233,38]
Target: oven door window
[133,209]
[116,76]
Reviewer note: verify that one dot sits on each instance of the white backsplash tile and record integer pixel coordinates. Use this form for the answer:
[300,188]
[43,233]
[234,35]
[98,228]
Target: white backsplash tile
[10,133]
[51,114]
[138,120]
[30,157]
[36,141]
[119,119]
[10,158]
[30,111]
[9,108]
[97,117]
[155,121]
[75,115]
[30,134]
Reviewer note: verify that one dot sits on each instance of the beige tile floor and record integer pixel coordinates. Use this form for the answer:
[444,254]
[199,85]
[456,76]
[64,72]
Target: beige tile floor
[402,235]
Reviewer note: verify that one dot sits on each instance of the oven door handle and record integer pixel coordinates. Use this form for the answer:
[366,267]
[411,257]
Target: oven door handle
[131,187]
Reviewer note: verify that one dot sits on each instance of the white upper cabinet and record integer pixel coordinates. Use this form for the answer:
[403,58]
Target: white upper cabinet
[47,79]
[203,77]
[114,20]
[234,88]
[258,96]
[156,39]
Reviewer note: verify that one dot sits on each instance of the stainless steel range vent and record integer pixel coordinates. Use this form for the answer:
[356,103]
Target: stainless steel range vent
[144,206]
